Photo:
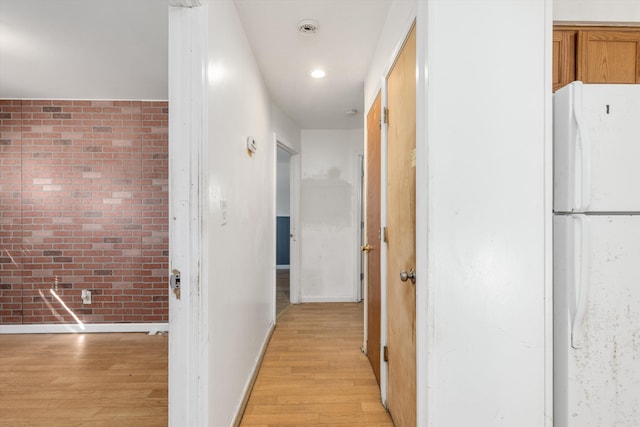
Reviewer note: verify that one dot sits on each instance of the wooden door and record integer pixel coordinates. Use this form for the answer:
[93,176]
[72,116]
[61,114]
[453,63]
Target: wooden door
[372,233]
[609,56]
[401,226]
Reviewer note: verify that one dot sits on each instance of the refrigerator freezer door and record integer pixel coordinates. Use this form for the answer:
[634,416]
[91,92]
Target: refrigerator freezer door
[597,372]
[597,148]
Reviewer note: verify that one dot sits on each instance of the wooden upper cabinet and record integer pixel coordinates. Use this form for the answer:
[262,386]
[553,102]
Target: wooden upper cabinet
[564,57]
[595,54]
[608,56]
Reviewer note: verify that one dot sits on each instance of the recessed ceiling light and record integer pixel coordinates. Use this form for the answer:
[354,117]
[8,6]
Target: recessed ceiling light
[318,74]
[351,112]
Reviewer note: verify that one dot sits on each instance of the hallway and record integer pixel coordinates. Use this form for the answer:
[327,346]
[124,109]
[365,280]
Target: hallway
[314,372]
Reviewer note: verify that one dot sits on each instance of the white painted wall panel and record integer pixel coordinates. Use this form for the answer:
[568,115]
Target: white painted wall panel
[401,15]
[287,131]
[487,136]
[123,53]
[329,214]
[239,223]
[596,10]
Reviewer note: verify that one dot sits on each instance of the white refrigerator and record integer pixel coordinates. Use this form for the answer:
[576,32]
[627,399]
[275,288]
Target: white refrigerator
[597,256]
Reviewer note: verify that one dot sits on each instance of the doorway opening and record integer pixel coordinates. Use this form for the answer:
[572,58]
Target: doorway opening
[283,229]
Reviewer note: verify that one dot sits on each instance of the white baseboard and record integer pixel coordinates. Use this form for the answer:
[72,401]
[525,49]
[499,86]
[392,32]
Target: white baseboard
[78,329]
[252,379]
[328,299]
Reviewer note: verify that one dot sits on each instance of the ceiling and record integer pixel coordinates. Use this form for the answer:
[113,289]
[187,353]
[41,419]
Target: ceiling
[117,49]
[348,32]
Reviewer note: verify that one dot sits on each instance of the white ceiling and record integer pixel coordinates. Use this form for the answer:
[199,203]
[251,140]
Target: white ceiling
[347,35]
[117,49]
[83,49]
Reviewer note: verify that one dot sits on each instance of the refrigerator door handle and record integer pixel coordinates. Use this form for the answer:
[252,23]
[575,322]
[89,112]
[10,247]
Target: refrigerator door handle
[582,140]
[582,290]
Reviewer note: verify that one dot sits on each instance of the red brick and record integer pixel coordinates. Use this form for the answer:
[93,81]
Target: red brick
[80,233]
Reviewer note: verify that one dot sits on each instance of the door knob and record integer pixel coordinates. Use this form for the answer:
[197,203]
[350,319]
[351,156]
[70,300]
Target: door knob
[408,275]
[367,248]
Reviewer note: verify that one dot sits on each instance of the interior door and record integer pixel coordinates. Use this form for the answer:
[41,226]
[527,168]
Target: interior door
[372,234]
[401,226]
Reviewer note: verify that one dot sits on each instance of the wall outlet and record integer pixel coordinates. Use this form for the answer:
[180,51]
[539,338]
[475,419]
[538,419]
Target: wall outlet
[86,296]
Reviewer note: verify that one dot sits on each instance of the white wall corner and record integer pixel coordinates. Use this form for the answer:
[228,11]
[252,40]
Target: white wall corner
[188,362]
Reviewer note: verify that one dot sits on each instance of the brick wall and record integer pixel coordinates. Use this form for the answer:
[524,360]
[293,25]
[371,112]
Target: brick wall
[83,205]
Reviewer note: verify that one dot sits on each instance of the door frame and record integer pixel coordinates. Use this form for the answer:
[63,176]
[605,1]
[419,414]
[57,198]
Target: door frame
[188,373]
[424,305]
[384,143]
[359,291]
[294,218]
[278,145]
[422,325]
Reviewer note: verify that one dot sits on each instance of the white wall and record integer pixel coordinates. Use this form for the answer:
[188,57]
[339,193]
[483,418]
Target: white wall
[329,214]
[488,216]
[286,130]
[596,10]
[239,227]
[401,15]
[83,49]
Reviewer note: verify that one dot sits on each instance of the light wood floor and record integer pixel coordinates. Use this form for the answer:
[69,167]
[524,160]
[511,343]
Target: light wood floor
[282,290]
[314,373]
[83,380]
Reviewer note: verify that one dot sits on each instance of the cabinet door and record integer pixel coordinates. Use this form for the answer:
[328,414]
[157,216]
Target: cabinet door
[609,56]
[564,57]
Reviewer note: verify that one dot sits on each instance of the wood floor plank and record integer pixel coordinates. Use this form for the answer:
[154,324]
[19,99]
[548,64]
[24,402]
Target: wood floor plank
[83,380]
[314,373]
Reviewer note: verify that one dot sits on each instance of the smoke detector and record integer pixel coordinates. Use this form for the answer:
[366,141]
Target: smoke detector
[308,26]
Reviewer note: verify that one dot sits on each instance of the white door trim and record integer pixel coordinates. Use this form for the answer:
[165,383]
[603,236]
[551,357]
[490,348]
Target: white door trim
[295,260]
[424,312]
[548,188]
[384,371]
[358,291]
[294,220]
[188,374]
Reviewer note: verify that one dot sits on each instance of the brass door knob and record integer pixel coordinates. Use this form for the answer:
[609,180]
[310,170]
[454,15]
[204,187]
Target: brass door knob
[367,248]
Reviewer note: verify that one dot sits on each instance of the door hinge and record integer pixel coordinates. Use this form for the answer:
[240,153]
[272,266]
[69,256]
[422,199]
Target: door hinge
[385,353]
[385,236]
[385,115]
